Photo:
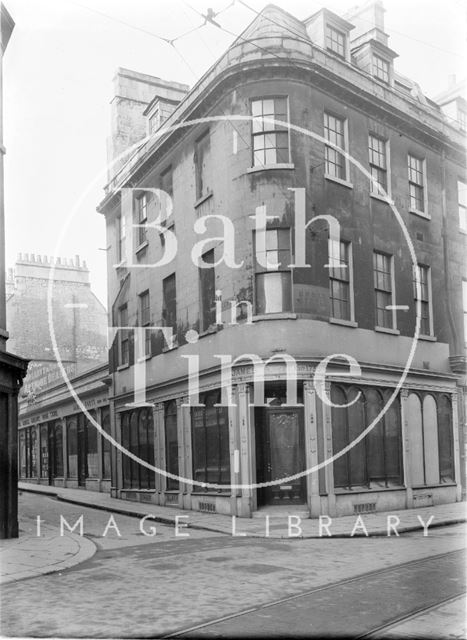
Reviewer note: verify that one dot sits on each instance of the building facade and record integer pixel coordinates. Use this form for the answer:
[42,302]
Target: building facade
[301,128]
[57,442]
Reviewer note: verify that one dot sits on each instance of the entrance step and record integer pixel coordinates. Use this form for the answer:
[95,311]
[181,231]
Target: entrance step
[282,511]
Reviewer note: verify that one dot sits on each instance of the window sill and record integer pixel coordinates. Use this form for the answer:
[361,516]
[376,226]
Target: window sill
[200,201]
[344,183]
[120,265]
[394,332]
[268,167]
[121,367]
[142,246]
[367,490]
[464,231]
[378,196]
[344,323]
[427,338]
[420,214]
[275,316]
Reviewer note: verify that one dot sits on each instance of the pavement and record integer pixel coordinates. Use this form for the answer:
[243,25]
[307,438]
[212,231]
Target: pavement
[376,524]
[32,555]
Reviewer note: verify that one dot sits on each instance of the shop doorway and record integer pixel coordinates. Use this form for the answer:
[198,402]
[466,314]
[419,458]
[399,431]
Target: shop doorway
[280,453]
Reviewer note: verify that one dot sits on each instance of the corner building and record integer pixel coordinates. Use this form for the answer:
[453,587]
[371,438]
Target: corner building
[332,76]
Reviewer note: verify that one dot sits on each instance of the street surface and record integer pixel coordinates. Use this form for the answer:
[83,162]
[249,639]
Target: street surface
[136,585]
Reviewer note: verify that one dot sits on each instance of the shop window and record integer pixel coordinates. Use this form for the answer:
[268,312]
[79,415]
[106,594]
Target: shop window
[171,443]
[431,458]
[376,461]
[210,440]
[207,283]
[270,140]
[32,450]
[91,448]
[44,449]
[58,450]
[138,437]
[106,445]
[445,439]
[72,444]
[22,454]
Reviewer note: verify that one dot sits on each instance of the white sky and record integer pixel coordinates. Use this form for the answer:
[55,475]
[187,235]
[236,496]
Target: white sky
[58,72]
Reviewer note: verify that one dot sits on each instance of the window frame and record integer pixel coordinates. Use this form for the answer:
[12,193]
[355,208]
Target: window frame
[273,131]
[331,27]
[171,484]
[428,301]
[142,218]
[375,191]
[349,281]
[345,136]
[164,302]
[420,212]
[206,314]
[121,238]
[143,321]
[391,292]
[124,339]
[260,270]
[375,68]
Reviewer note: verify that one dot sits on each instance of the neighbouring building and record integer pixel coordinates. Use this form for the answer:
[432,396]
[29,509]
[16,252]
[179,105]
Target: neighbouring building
[58,445]
[12,368]
[78,320]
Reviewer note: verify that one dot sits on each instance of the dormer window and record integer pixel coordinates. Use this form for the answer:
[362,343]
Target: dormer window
[335,41]
[381,69]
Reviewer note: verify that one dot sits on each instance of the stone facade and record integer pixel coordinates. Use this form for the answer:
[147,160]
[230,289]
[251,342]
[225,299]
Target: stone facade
[330,86]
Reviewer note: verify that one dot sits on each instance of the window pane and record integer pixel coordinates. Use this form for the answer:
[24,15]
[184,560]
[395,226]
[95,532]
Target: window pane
[72,442]
[58,451]
[446,462]
[91,438]
[106,446]
[339,437]
[171,443]
[357,454]
[273,292]
[44,445]
[125,426]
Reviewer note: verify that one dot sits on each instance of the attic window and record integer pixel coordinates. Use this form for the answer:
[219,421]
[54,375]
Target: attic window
[381,69]
[335,41]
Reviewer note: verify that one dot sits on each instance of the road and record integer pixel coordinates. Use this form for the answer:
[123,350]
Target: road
[138,585]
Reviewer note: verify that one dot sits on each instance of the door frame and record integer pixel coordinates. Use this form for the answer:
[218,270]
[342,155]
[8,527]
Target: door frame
[263,452]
